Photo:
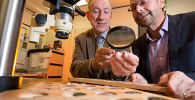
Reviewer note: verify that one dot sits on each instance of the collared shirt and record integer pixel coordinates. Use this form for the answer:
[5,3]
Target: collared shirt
[100,44]
[100,41]
[159,53]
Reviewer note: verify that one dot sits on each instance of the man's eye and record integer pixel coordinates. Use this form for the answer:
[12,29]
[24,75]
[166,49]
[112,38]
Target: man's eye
[96,11]
[106,12]
[133,7]
[142,3]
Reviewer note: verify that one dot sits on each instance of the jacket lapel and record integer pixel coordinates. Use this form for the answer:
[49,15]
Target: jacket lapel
[174,36]
[145,55]
[105,44]
[91,44]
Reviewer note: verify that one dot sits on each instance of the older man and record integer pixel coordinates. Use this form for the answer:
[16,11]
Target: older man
[87,61]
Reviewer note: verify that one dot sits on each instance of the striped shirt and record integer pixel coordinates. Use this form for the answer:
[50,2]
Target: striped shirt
[159,53]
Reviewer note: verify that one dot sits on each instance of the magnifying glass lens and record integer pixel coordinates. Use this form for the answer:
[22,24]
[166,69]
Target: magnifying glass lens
[120,37]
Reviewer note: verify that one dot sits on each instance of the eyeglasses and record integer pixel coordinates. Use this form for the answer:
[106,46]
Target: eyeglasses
[141,3]
[129,10]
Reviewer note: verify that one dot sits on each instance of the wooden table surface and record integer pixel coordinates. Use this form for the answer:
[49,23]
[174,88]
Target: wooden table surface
[40,76]
[57,89]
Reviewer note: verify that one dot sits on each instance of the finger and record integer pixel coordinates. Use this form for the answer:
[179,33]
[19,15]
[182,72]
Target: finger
[163,80]
[184,86]
[180,89]
[127,65]
[138,78]
[119,66]
[134,78]
[190,98]
[115,70]
[131,58]
[106,51]
[175,78]
[177,82]
[102,56]
[102,63]
[191,92]
[116,64]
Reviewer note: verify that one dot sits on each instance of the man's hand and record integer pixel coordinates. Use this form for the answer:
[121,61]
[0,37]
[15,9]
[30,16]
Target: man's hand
[137,78]
[178,83]
[101,59]
[190,98]
[123,64]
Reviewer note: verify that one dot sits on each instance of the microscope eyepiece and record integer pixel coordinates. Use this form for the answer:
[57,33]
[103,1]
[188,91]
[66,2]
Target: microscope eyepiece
[40,19]
[62,35]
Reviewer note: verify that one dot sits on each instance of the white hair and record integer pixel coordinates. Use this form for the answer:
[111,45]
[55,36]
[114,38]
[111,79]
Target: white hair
[89,3]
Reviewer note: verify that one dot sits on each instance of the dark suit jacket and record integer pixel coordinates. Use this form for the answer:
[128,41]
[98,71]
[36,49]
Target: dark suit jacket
[181,30]
[83,52]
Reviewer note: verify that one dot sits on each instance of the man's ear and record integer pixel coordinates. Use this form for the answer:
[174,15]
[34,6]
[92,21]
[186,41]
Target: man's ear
[111,15]
[161,3]
[87,13]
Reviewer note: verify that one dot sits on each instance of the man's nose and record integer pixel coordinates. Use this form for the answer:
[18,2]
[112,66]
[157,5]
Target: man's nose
[101,15]
[139,8]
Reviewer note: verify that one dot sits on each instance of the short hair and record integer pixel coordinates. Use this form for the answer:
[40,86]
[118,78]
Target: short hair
[89,3]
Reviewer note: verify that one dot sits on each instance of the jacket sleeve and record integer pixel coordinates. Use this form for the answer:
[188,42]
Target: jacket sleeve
[79,66]
[191,75]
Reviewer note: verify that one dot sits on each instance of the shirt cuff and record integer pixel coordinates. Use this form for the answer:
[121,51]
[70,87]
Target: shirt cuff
[121,78]
[91,73]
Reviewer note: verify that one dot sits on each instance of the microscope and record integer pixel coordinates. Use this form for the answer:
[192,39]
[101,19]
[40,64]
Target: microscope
[63,13]
[11,12]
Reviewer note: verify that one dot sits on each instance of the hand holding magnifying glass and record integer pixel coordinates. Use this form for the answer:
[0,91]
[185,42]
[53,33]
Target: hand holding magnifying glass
[123,63]
[118,38]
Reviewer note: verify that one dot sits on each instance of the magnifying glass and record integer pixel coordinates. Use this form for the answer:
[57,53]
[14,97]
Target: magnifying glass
[120,37]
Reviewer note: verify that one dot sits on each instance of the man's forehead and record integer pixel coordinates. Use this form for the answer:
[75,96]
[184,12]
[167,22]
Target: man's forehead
[104,6]
[99,4]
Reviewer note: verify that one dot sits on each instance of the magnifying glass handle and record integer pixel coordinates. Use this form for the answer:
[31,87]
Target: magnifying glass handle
[123,51]
[120,50]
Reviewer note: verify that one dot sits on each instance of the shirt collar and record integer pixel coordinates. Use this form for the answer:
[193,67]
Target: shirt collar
[164,28]
[103,34]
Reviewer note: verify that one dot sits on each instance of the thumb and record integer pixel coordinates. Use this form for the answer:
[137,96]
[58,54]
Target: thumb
[135,78]
[163,80]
